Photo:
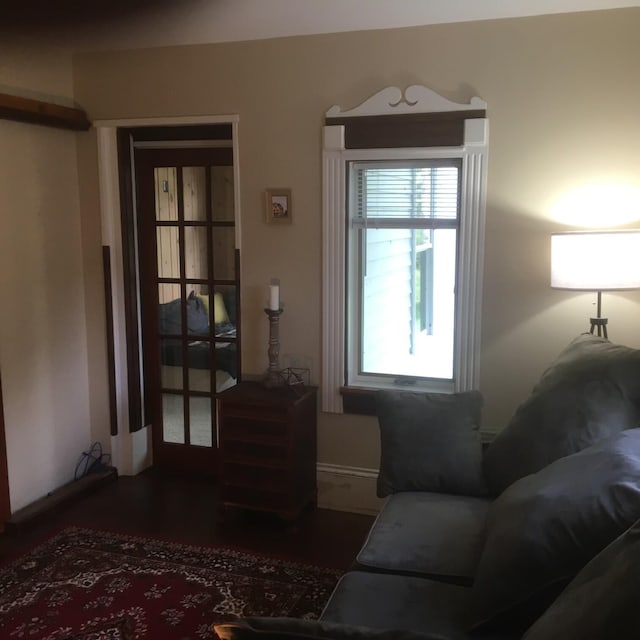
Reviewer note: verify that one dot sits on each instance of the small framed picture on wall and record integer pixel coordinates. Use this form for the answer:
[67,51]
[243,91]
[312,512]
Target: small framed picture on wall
[278,206]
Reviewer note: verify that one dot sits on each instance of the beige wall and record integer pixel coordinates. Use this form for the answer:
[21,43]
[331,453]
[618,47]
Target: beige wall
[562,96]
[43,336]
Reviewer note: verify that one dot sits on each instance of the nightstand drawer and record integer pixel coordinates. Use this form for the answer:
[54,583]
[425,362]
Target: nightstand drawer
[267,414]
[237,427]
[239,451]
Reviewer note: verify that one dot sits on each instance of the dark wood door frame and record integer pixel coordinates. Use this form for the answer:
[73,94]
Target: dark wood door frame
[128,138]
[5,503]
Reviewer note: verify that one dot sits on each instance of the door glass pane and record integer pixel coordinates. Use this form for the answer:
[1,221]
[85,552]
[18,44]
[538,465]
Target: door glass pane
[225,313]
[200,365]
[226,364]
[194,193]
[166,188]
[200,380]
[222,193]
[224,243]
[195,252]
[173,418]
[169,311]
[168,249]
[200,431]
[171,364]
[201,368]
[168,292]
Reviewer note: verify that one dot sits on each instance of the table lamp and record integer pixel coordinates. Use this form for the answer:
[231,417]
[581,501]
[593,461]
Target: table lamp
[596,261]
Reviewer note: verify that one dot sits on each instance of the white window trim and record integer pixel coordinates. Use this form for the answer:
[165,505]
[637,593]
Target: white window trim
[473,154]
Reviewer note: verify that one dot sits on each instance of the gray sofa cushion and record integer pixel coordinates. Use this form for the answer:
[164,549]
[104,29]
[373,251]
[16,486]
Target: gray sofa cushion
[413,534]
[603,601]
[591,391]
[387,601]
[430,442]
[544,528]
[294,628]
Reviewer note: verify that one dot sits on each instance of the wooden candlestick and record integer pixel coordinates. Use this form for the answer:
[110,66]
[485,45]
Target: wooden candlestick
[273,378]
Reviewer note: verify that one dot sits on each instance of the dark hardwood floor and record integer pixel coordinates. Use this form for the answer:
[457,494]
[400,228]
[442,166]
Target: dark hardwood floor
[184,509]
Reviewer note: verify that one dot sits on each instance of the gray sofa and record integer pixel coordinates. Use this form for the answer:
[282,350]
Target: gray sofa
[536,537]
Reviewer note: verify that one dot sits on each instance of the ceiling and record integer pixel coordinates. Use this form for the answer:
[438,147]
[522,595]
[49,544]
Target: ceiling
[118,24]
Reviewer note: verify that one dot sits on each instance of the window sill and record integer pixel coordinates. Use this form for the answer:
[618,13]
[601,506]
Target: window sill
[358,400]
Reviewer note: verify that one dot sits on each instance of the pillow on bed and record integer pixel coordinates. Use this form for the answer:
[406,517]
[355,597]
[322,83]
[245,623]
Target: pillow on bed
[430,442]
[591,391]
[220,314]
[170,316]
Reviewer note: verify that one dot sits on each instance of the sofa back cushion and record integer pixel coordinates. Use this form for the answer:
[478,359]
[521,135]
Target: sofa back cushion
[430,442]
[591,391]
[545,527]
[603,601]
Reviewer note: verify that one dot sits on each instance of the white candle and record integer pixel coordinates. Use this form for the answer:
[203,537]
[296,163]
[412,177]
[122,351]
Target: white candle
[274,297]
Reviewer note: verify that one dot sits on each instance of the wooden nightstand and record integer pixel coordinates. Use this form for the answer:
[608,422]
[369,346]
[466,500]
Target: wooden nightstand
[268,448]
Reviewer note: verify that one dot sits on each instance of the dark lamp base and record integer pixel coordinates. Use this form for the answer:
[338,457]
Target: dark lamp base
[601,324]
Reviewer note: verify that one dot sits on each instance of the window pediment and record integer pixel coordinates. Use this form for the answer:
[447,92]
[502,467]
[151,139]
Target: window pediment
[414,99]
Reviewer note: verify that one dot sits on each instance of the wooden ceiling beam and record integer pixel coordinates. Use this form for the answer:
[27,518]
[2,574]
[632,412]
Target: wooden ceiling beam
[45,113]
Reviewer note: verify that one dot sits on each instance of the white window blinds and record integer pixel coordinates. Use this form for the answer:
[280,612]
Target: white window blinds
[425,192]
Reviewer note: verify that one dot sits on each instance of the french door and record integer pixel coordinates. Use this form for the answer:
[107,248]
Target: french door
[5,503]
[189,298]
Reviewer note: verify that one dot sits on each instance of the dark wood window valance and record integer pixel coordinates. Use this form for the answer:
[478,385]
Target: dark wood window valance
[405,131]
[45,113]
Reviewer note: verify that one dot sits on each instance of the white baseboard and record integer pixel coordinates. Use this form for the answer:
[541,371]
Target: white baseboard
[344,488]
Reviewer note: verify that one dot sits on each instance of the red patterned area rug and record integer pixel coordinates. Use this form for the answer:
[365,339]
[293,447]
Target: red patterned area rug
[84,584]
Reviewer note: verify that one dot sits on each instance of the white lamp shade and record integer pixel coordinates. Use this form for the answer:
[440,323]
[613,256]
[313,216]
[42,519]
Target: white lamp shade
[595,260]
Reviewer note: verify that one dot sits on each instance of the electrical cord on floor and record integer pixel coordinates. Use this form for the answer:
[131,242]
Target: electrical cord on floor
[92,461]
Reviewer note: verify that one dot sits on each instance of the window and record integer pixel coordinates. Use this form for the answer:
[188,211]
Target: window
[403,225]
[402,239]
